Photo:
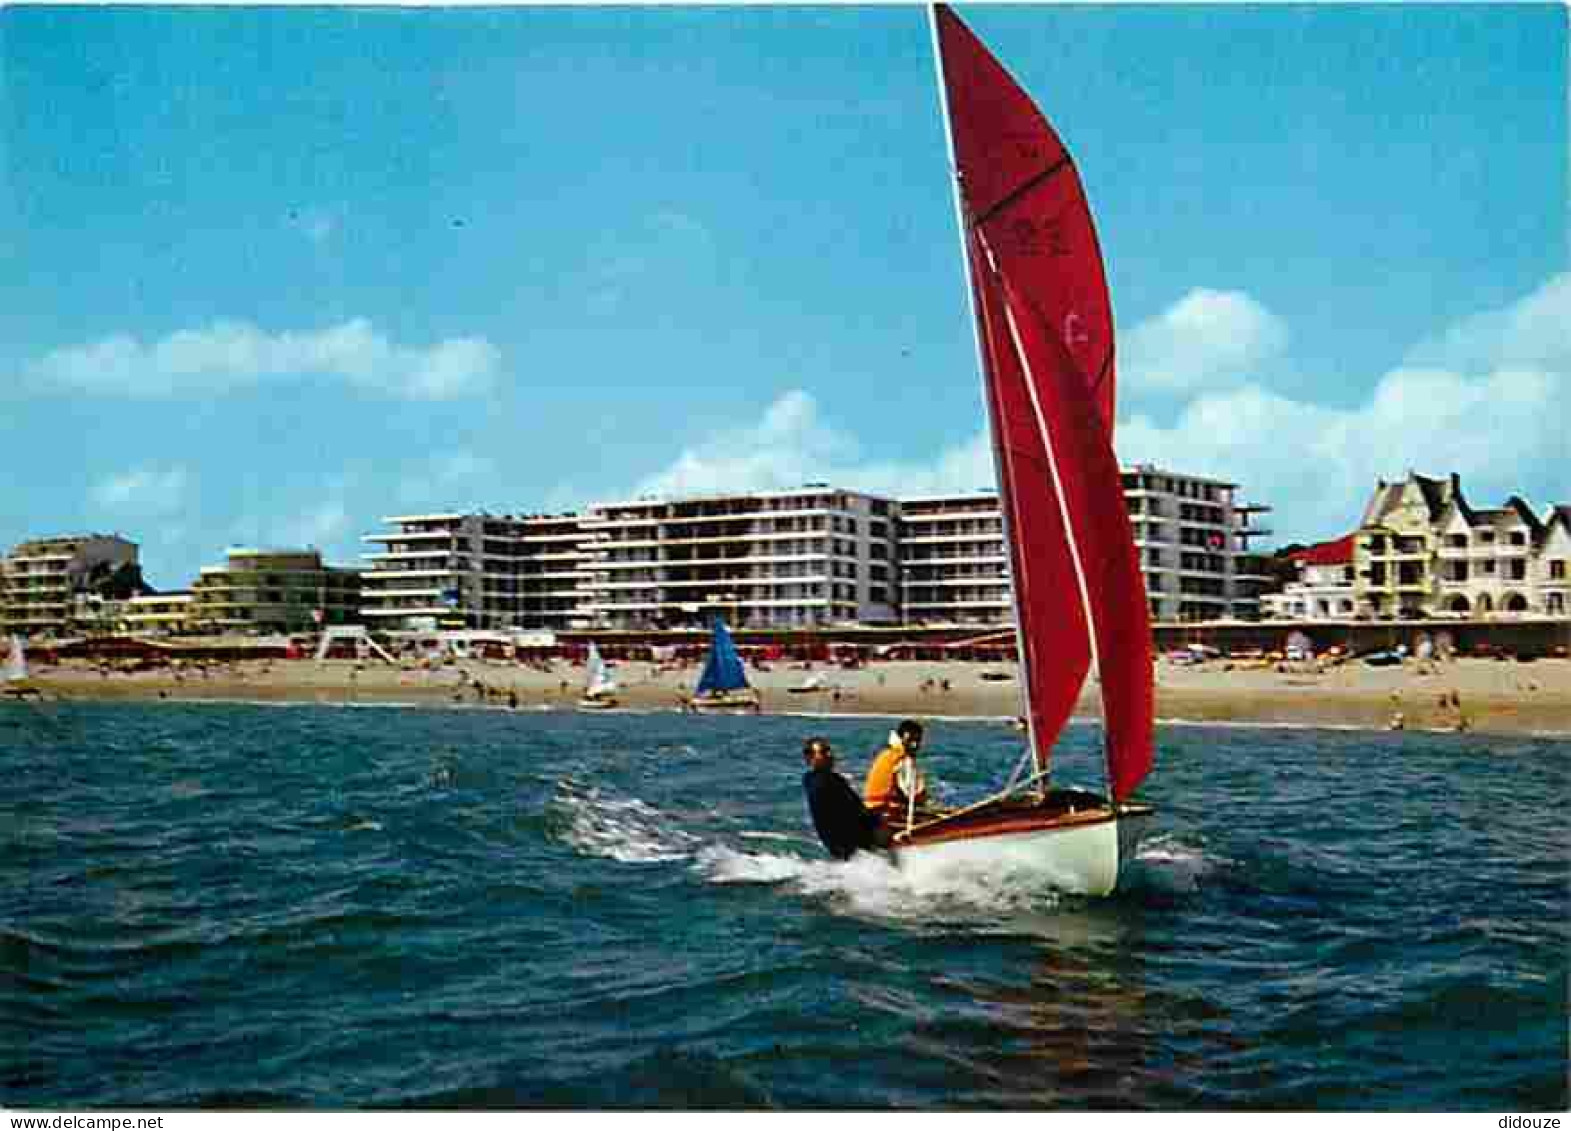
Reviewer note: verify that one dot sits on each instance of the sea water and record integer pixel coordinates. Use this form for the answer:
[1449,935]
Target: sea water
[252,906]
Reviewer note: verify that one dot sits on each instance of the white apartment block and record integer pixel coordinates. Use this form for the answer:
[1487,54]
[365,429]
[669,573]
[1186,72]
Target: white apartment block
[551,551]
[476,571]
[42,580]
[813,556]
[1191,533]
[953,565]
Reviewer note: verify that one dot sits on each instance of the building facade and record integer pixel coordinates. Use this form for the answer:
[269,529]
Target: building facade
[157,614]
[476,571]
[259,592]
[1551,567]
[1191,533]
[1324,589]
[46,584]
[954,567]
[801,558]
[1421,550]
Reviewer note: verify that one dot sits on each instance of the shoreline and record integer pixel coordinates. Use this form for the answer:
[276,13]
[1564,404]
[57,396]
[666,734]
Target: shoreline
[1495,697]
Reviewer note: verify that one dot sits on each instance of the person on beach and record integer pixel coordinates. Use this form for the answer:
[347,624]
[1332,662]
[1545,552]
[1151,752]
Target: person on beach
[894,780]
[842,822]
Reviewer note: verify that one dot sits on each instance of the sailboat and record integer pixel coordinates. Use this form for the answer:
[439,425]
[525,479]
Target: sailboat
[600,690]
[16,682]
[722,685]
[1044,336]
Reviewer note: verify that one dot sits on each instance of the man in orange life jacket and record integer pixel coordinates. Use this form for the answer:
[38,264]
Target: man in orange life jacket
[842,822]
[894,778]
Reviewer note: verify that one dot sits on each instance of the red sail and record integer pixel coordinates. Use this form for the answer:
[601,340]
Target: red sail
[1045,328]
[1090,491]
[1055,650]
[1022,190]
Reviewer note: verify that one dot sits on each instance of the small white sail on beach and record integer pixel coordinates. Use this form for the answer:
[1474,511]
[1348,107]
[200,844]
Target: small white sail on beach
[14,679]
[16,661]
[600,690]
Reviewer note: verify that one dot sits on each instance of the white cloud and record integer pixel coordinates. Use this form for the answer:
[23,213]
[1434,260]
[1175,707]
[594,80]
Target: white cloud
[1534,332]
[146,489]
[791,445]
[1207,339]
[229,355]
[1496,415]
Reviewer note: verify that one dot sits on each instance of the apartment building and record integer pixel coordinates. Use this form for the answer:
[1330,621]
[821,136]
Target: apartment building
[157,614]
[551,553]
[1192,535]
[43,582]
[273,591]
[475,571]
[812,556]
[954,568]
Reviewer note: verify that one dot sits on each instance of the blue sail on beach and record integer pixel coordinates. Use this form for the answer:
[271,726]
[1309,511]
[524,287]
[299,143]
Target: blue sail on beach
[723,666]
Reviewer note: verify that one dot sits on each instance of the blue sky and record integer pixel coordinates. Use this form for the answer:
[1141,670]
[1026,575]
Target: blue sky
[268,275]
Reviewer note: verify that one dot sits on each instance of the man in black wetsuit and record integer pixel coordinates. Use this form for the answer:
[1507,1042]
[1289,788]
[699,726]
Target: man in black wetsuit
[844,824]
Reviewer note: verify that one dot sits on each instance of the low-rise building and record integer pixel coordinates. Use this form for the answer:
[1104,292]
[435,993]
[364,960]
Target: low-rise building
[1324,589]
[46,580]
[273,591]
[157,614]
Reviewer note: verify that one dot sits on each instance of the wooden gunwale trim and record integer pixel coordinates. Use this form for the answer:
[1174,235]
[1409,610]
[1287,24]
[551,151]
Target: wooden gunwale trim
[1005,825]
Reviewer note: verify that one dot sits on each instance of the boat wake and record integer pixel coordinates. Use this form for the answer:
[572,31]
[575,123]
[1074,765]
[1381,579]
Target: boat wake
[1167,865]
[873,886]
[625,829]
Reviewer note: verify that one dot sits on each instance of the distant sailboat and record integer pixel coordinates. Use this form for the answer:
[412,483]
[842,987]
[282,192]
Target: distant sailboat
[722,685]
[1045,338]
[600,690]
[17,682]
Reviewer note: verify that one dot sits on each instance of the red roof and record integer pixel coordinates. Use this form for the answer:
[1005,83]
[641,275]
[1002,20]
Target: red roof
[1339,552]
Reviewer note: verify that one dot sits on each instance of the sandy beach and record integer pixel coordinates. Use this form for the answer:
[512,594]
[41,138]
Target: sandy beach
[1495,696]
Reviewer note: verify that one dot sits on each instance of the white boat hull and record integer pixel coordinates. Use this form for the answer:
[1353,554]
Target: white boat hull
[1076,850]
[726,702]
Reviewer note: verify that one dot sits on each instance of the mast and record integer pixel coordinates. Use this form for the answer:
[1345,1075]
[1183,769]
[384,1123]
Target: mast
[962,226]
